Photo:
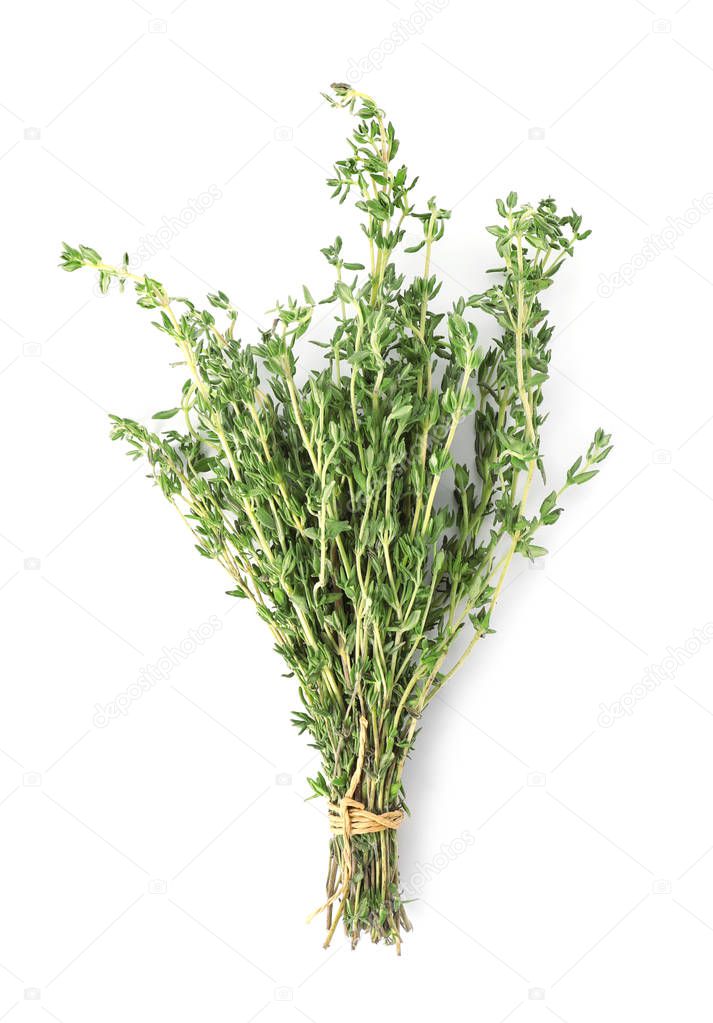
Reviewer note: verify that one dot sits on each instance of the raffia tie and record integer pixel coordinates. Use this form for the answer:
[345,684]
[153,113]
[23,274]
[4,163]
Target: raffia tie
[350,817]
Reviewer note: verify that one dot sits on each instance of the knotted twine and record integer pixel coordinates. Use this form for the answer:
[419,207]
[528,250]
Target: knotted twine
[350,817]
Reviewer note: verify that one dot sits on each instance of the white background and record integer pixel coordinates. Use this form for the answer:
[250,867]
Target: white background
[161,868]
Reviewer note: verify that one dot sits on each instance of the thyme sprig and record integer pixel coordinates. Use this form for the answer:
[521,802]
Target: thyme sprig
[324,499]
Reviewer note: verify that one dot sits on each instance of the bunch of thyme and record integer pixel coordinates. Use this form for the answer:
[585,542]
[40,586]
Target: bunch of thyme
[335,504]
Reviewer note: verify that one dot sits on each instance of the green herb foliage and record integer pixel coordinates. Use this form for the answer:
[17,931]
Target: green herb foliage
[336,505]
